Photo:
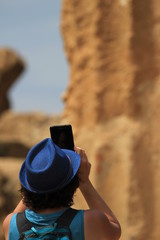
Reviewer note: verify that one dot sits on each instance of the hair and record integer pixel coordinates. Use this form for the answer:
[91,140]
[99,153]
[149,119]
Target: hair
[61,198]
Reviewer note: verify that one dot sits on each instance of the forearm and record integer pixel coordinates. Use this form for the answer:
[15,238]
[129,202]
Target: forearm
[95,201]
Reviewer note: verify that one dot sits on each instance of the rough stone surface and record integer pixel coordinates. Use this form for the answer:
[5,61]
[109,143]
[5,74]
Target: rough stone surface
[11,66]
[97,47]
[113,103]
[24,128]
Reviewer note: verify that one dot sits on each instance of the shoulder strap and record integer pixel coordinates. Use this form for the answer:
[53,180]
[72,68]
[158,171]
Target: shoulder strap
[23,224]
[66,218]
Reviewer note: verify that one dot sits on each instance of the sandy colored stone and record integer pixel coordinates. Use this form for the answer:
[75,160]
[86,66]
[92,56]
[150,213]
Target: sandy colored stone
[11,66]
[97,48]
[26,128]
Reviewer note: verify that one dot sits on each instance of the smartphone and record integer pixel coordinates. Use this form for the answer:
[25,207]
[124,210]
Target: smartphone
[62,136]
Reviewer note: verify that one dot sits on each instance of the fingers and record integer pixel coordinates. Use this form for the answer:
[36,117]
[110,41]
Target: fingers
[79,150]
[82,153]
[85,166]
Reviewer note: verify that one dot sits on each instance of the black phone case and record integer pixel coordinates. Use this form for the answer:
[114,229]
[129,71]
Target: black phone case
[62,136]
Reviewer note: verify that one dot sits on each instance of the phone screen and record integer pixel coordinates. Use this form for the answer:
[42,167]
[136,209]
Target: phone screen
[62,136]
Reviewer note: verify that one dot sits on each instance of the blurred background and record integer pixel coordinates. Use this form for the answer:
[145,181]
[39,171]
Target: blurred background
[93,64]
[31,28]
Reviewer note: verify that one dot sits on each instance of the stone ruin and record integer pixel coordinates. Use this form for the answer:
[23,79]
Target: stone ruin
[11,66]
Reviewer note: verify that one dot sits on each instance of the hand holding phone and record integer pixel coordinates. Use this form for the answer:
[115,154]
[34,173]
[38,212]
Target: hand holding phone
[62,136]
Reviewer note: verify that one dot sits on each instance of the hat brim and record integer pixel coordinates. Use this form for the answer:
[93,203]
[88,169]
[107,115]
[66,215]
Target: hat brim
[75,162]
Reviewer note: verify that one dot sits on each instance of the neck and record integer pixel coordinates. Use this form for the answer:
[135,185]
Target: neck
[49,210]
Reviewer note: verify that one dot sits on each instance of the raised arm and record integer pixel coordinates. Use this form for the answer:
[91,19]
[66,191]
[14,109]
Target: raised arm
[101,221]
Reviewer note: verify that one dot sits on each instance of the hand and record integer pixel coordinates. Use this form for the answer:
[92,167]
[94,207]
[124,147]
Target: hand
[85,166]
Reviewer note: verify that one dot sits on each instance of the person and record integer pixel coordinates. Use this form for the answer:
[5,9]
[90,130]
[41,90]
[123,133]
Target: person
[49,177]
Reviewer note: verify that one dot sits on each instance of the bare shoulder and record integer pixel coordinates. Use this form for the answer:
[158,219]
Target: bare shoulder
[97,226]
[6,223]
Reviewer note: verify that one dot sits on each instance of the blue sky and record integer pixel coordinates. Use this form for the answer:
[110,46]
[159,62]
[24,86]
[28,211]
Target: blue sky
[32,28]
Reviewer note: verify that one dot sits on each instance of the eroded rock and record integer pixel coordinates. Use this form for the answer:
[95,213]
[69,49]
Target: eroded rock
[11,66]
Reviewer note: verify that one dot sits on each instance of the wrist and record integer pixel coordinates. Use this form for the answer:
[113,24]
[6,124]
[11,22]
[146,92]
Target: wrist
[84,185]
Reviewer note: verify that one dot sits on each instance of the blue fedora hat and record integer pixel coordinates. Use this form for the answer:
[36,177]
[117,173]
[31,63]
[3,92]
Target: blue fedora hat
[47,168]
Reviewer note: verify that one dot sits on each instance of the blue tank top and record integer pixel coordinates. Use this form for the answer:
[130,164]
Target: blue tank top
[77,225]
